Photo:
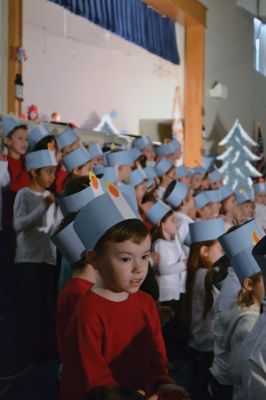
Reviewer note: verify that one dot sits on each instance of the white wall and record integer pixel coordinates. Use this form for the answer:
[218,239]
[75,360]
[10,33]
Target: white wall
[75,67]
[3,55]
[229,59]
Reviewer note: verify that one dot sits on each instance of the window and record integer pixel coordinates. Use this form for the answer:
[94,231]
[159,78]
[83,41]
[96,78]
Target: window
[260,46]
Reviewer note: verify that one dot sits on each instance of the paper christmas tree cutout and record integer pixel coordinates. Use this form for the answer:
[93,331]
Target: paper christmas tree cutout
[106,125]
[237,158]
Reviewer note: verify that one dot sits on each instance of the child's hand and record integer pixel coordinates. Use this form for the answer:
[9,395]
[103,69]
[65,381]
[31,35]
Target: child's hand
[49,199]
[155,258]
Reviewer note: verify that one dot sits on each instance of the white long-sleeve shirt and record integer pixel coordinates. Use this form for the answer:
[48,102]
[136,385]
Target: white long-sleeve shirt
[34,223]
[4,181]
[183,229]
[171,270]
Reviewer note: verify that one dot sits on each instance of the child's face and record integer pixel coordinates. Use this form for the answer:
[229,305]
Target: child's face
[124,172]
[247,210]
[230,203]
[149,153]
[260,198]
[84,170]
[18,142]
[215,207]
[206,212]
[169,176]
[185,180]
[140,191]
[45,177]
[215,252]
[205,183]
[195,181]
[170,226]
[124,266]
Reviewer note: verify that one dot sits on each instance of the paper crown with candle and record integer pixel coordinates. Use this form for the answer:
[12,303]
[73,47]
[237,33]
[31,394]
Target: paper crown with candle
[162,167]
[238,246]
[109,173]
[76,201]
[66,138]
[259,187]
[210,229]
[95,150]
[177,195]
[157,212]
[40,159]
[142,143]
[137,177]
[214,196]
[123,157]
[91,223]
[214,177]
[37,134]
[164,150]
[226,192]
[69,244]
[76,158]
[201,200]
[259,253]
[181,171]
[9,124]
[136,153]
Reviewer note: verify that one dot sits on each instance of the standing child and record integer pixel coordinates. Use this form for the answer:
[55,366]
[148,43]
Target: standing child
[200,297]
[114,336]
[35,218]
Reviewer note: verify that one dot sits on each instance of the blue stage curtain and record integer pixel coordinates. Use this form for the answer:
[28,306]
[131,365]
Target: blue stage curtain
[133,20]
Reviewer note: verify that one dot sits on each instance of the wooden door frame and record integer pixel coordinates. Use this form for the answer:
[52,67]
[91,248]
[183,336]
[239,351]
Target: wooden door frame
[192,15]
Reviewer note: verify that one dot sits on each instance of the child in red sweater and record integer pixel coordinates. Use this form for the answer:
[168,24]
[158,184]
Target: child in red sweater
[114,336]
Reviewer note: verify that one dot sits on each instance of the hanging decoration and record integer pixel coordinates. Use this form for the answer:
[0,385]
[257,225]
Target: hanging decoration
[18,54]
[19,87]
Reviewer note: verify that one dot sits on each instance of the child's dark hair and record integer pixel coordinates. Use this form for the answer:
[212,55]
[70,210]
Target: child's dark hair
[130,229]
[157,231]
[11,133]
[245,297]
[43,143]
[115,393]
[169,190]
[74,185]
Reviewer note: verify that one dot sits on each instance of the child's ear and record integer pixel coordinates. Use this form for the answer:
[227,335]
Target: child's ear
[247,284]
[76,171]
[204,251]
[33,173]
[91,258]
[7,141]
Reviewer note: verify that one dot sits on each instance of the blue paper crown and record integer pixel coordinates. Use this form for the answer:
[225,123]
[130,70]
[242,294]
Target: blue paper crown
[137,177]
[123,157]
[95,150]
[40,159]
[177,195]
[244,237]
[74,202]
[10,123]
[108,172]
[76,158]
[164,149]
[162,167]
[214,196]
[181,171]
[91,223]
[136,153]
[259,253]
[208,162]
[129,191]
[157,212]
[68,243]
[150,172]
[244,264]
[210,229]
[36,135]
[198,170]
[175,144]
[214,177]
[226,192]
[66,138]
[259,188]
[244,196]
[142,143]
[201,200]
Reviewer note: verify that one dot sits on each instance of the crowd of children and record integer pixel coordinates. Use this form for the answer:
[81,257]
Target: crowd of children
[123,256]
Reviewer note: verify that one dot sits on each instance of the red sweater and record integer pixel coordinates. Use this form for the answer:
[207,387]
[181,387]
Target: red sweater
[74,289]
[112,343]
[60,179]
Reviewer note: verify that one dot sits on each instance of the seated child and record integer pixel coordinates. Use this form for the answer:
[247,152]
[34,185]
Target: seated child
[35,218]
[122,160]
[114,336]
[203,207]
[246,206]
[229,211]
